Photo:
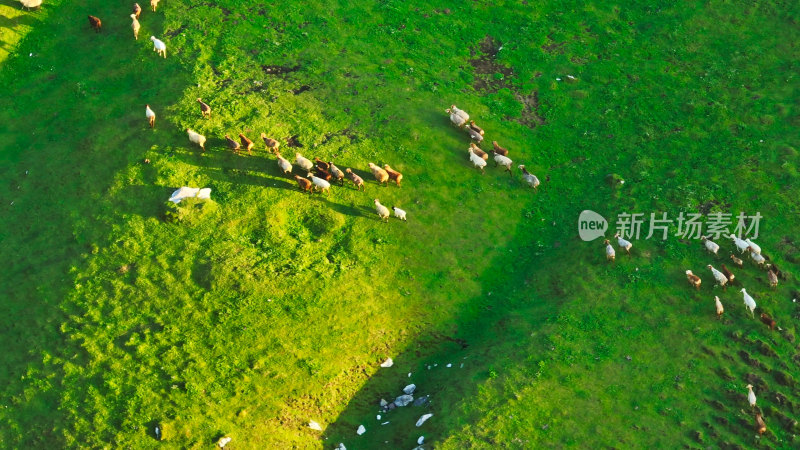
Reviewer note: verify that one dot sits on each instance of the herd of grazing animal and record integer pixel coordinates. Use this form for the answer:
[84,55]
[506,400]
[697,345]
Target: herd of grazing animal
[726,277]
[323,172]
[723,278]
[478,157]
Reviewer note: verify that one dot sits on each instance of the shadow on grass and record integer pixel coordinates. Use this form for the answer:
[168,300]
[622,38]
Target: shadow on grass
[486,329]
[51,231]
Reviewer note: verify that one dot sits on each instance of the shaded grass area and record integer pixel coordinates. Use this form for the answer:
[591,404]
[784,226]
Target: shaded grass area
[269,308]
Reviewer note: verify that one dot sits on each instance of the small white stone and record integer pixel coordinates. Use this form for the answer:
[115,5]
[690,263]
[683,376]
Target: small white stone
[409,374]
[378,417]
[423,419]
[449,365]
[314,425]
[387,363]
[361,430]
[420,440]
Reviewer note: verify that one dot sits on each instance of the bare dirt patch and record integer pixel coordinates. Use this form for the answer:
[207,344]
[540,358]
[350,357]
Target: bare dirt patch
[491,76]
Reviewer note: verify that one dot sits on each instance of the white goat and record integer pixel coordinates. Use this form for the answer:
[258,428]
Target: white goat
[323,185]
[457,116]
[756,256]
[740,244]
[753,245]
[710,246]
[135,25]
[721,279]
[197,138]
[477,161]
[151,116]
[383,212]
[610,253]
[623,243]
[304,163]
[529,178]
[283,164]
[749,302]
[505,161]
[399,213]
[751,396]
[159,46]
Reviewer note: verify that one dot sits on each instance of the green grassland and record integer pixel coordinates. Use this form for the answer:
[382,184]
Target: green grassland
[252,314]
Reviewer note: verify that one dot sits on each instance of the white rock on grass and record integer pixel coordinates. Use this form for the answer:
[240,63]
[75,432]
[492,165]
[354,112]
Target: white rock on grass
[361,430]
[384,403]
[387,363]
[409,374]
[420,440]
[314,425]
[410,389]
[385,423]
[223,441]
[449,365]
[340,447]
[423,419]
[403,400]
[378,417]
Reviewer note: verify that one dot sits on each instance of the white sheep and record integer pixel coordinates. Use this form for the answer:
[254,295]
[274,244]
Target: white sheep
[304,163]
[505,161]
[760,260]
[740,244]
[753,245]
[283,164]
[751,396]
[610,253]
[323,185]
[721,279]
[399,213]
[135,25]
[623,243]
[159,46]
[457,116]
[529,178]
[197,138]
[749,302]
[477,161]
[383,212]
[718,304]
[150,115]
[710,246]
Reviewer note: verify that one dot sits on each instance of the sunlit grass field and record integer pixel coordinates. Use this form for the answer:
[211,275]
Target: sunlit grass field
[250,315]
